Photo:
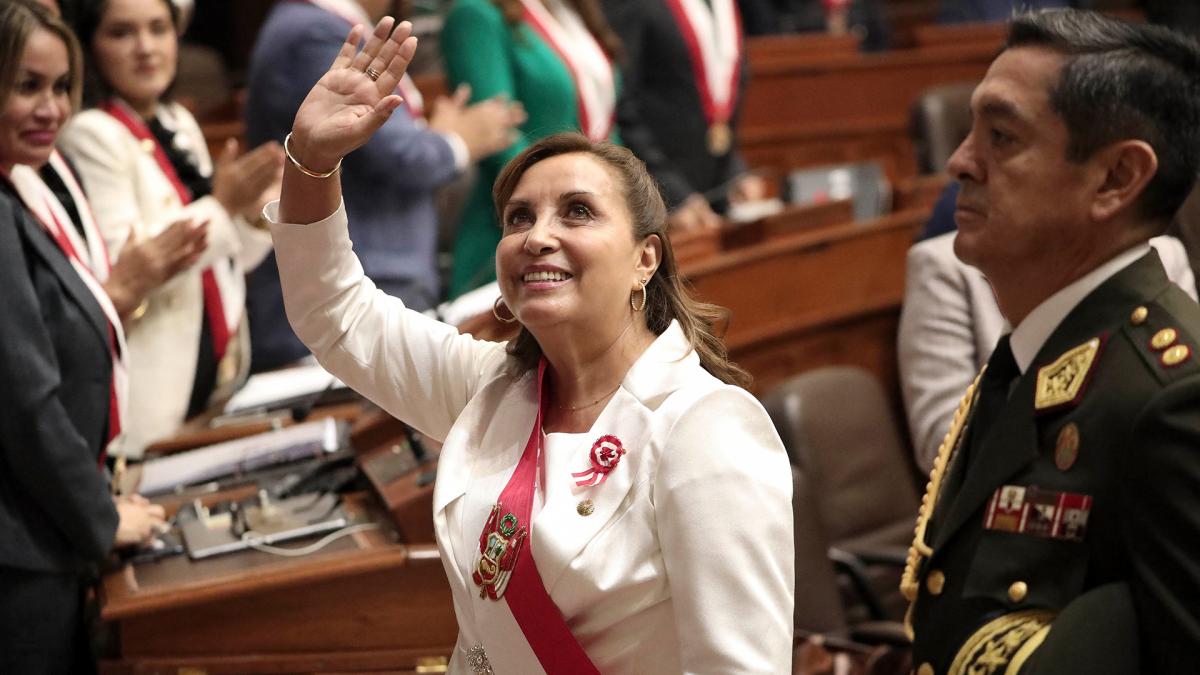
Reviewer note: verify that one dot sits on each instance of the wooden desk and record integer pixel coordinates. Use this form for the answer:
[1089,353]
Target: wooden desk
[809,110]
[197,432]
[826,296]
[365,602]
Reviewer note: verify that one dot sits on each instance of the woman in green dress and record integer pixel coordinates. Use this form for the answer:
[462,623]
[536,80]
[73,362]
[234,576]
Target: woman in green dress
[554,56]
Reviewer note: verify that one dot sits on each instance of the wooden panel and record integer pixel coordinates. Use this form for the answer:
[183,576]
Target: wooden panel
[365,602]
[814,110]
[823,297]
[400,607]
[941,35]
[808,279]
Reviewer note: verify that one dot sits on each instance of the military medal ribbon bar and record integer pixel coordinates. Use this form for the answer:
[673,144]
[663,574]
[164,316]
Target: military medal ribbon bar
[714,41]
[1039,512]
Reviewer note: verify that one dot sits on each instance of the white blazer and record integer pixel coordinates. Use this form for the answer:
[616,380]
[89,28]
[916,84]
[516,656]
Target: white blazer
[129,193]
[949,325]
[686,564]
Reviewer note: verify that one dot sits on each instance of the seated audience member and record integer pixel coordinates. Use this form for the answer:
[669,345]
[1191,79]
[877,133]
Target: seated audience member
[683,76]
[63,399]
[390,183]
[145,165]
[949,324]
[555,58]
[1058,531]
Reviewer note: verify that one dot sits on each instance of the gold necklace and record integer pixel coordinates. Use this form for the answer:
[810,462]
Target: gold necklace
[588,405]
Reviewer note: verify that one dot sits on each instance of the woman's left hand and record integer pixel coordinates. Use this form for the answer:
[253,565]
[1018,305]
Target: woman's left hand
[347,105]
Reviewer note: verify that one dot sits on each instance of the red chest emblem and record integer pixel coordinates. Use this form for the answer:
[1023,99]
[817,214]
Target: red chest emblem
[606,454]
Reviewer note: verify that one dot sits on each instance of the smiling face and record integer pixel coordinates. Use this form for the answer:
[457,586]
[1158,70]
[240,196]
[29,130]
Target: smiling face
[135,48]
[568,256]
[39,103]
[1023,203]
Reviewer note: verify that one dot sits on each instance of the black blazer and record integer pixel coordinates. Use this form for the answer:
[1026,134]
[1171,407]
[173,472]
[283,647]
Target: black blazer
[56,513]
[659,112]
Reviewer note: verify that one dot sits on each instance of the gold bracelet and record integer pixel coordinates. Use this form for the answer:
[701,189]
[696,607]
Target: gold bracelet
[304,169]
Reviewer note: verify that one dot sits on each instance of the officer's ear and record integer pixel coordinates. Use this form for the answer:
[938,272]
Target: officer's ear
[1129,166]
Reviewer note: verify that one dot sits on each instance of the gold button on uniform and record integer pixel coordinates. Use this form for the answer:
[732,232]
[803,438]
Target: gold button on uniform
[1163,339]
[1139,316]
[925,669]
[935,582]
[585,508]
[1017,591]
[1176,355]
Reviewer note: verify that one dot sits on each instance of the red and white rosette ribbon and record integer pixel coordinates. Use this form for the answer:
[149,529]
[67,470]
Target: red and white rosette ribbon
[606,454]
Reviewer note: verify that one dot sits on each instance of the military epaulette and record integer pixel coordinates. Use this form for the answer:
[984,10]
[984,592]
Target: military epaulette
[1168,350]
[1063,382]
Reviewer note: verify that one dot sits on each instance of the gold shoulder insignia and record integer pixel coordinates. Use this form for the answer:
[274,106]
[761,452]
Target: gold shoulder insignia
[1061,381]
[1003,644]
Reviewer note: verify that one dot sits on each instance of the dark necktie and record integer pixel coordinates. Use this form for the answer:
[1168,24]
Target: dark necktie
[994,388]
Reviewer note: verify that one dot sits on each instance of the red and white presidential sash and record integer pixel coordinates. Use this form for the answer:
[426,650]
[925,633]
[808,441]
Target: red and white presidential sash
[714,41]
[90,261]
[590,67]
[222,323]
[352,13]
[504,566]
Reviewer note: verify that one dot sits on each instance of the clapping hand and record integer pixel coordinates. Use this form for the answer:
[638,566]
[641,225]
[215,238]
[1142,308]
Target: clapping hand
[353,98]
[146,264]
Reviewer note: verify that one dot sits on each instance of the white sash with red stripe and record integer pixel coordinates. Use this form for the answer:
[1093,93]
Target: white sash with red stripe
[714,40]
[590,67]
[223,324]
[90,260]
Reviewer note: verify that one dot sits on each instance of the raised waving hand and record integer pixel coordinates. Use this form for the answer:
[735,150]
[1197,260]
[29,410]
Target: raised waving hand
[353,98]
[348,104]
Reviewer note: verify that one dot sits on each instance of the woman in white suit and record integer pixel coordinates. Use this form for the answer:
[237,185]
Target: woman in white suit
[607,500]
[145,165]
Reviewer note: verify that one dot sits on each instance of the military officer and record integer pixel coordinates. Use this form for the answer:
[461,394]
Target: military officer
[1060,532]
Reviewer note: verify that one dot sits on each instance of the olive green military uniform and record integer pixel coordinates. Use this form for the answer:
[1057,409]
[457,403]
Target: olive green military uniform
[1066,535]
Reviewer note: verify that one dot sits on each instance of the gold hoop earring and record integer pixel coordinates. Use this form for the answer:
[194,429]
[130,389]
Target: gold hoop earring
[636,307]
[496,312]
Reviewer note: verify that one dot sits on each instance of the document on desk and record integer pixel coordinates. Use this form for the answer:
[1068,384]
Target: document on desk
[165,474]
[266,390]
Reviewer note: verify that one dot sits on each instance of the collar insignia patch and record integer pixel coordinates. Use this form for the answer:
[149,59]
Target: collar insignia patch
[1062,382]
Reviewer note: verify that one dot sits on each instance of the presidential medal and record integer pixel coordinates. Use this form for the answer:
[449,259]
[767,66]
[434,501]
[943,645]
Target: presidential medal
[720,138]
[498,548]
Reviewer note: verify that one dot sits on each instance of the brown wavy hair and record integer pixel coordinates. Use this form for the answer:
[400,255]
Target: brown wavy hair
[19,19]
[588,10]
[667,296]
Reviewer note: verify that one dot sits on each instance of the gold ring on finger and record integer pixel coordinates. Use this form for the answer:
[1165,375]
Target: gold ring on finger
[372,73]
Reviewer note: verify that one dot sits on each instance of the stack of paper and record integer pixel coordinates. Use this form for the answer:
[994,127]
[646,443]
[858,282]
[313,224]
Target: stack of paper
[281,388]
[238,456]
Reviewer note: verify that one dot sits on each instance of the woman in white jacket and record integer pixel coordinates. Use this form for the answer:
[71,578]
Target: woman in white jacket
[145,165]
[608,500]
